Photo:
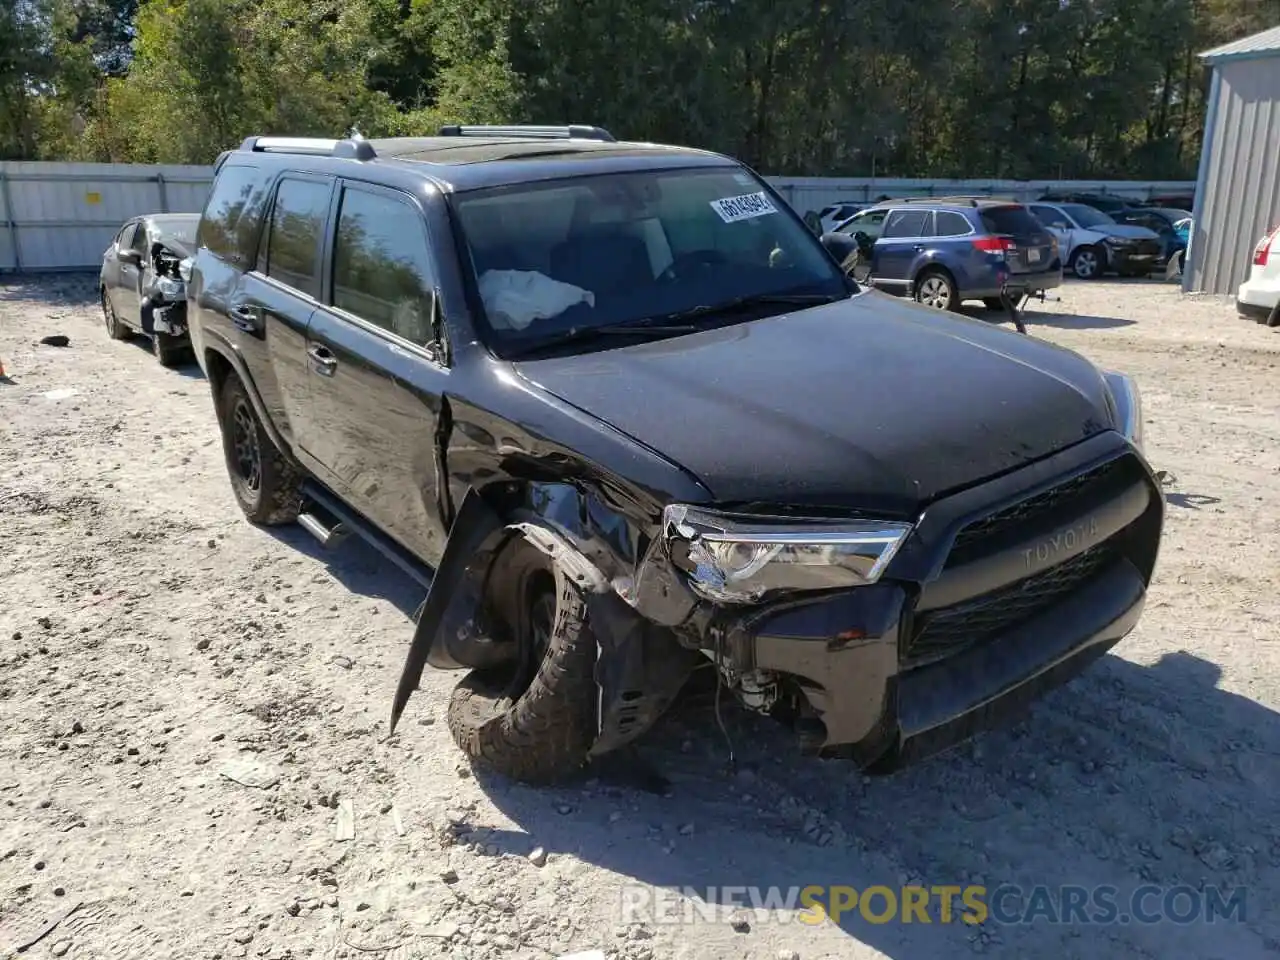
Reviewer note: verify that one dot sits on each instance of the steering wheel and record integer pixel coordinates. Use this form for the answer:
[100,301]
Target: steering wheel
[695,261]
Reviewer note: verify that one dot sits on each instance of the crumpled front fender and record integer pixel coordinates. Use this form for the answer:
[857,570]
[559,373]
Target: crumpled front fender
[641,664]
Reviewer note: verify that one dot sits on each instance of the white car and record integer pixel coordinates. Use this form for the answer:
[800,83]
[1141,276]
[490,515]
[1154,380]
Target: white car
[838,213]
[1259,297]
[1092,243]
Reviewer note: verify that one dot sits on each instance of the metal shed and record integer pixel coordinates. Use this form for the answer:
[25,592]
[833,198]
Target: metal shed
[1238,186]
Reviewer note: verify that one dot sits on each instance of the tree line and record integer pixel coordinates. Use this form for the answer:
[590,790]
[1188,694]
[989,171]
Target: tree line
[1076,89]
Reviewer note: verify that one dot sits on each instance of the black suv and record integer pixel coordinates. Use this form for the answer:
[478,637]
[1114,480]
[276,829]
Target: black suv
[627,418]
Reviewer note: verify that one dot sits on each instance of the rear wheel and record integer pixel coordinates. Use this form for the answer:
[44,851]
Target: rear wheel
[533,720]
[266,486]
[935,288]
[116,328]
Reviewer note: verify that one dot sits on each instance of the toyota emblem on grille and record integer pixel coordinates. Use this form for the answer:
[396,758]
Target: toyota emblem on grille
[1067,540]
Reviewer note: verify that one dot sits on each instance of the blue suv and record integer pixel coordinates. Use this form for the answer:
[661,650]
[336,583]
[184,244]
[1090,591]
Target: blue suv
[944,250]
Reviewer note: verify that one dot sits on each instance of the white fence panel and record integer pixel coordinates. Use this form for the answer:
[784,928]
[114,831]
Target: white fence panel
[61,216]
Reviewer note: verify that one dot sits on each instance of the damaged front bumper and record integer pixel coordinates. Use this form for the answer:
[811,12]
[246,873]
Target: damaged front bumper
[164,297]
[997,594]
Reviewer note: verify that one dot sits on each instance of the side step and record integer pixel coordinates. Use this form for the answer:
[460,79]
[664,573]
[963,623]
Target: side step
[328,536]
[320,504]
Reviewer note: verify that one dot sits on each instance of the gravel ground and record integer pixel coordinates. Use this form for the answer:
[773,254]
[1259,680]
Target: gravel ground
[189,706]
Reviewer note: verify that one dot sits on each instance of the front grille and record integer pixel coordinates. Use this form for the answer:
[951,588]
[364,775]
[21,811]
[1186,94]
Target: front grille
[989,533]
[950,629]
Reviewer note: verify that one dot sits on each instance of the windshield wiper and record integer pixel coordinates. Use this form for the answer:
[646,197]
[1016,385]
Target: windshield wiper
[637,328]
[753,300]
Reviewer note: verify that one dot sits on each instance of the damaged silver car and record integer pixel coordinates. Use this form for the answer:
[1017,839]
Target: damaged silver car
[143,283]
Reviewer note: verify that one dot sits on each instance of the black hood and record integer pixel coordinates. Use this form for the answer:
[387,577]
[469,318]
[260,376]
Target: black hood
[870,403]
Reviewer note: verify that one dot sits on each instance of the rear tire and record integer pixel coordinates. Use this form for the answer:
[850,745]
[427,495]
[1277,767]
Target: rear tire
[539,731]
[935,288]
[116,328]
[267,487]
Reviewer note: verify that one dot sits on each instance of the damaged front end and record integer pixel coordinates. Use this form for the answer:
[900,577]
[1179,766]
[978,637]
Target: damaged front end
[164,291]
[664,598]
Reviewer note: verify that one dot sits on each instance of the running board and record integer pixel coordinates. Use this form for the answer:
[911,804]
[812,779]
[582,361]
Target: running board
[348,521]
[328,536]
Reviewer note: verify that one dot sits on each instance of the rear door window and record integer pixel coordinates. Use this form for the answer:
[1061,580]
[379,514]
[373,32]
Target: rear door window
[951,225]
[1013,221]
[382,266]
[291,249]
[232,217]
[906,223]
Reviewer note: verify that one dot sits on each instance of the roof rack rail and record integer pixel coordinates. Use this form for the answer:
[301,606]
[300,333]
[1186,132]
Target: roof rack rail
[972,200]
[349,149]
[574,131]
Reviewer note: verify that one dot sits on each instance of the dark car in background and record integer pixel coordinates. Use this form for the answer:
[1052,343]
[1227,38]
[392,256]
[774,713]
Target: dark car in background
[142,283]
[945,250]
[1106,202]
[1166,223]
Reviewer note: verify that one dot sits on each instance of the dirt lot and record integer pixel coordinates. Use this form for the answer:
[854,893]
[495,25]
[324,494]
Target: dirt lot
[153,646]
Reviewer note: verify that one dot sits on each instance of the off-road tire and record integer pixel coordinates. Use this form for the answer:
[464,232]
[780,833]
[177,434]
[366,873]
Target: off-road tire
[169,350]
[116,328]
[544,734]
[275,498]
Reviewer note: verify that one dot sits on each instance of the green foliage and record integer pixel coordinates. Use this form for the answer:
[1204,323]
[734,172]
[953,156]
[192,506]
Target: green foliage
[1015,88]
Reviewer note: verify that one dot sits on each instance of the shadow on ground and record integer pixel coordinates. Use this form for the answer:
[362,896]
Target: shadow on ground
[358,567]
[188,368]
[78,289]
[1131,776]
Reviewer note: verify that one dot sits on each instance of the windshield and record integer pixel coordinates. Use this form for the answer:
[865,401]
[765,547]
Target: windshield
[598,251]
[183,231]
[1172,214]
[1086,216]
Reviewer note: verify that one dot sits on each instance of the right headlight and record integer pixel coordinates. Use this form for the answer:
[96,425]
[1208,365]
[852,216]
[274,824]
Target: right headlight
[1128,405]
[734,559]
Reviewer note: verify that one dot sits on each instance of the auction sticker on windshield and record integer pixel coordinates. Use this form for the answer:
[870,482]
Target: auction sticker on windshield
[732,209]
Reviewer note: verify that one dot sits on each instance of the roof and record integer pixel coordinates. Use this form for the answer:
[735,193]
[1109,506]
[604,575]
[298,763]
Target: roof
[1264,44]
[476,160]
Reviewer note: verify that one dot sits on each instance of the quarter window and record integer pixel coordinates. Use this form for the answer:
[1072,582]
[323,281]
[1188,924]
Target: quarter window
[382,269]
[952,224]
[292,249]
[229,226]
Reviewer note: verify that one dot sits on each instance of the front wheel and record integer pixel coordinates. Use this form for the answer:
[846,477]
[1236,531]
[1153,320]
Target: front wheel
[169,350]
[1086,263]
[936,289]
[535,719]
[267,487]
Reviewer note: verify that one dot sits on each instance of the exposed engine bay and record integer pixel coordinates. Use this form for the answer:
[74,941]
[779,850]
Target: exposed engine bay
[164,291]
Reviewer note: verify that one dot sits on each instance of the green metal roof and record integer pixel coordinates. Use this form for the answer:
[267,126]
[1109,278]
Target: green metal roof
[1264,44]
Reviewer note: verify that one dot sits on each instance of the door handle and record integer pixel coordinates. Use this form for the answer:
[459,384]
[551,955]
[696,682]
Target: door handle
[246,318]
[325,362]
